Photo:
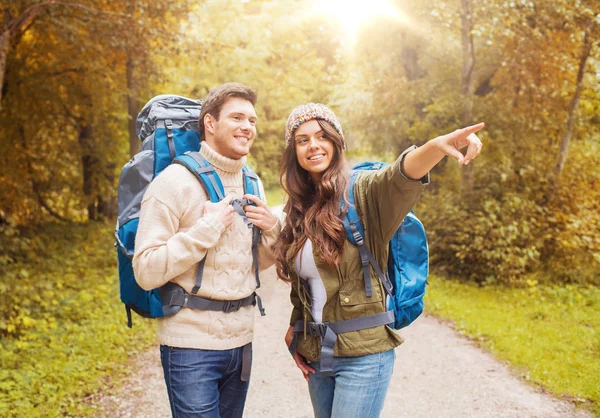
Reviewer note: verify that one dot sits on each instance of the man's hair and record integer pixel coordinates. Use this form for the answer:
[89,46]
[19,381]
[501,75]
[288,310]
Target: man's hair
[218,96]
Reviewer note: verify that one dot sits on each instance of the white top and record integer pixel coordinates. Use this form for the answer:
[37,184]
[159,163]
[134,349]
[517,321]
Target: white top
[307,270]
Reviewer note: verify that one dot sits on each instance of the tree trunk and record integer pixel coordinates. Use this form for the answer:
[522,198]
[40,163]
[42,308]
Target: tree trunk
[13,27]
[566,138]
[3,53]
[132,109]
[107,205]
[515,146]
[88,167]
[468,54]
[132,105]
[410,60]
[568,134]
[35,186]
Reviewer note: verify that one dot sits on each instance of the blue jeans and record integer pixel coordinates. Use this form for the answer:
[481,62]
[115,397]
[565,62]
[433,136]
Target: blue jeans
[357,388]
[204,383]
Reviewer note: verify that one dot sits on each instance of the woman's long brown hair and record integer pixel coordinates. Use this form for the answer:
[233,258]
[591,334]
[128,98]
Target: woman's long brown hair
[313,210]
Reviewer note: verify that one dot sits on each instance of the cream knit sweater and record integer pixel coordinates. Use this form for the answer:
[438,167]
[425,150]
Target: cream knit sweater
[174,235]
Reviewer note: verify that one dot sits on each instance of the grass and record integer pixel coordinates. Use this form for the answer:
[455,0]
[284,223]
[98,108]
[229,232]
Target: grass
[63,327]
[274,196]
[549,335]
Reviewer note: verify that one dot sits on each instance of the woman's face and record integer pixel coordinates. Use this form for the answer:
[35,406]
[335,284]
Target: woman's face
[313,149]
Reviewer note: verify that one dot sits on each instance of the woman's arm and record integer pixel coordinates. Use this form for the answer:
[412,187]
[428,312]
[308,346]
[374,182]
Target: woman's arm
[296,316]
[419,162]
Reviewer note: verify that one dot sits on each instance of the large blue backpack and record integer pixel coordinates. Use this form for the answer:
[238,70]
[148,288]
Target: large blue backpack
[408,260]
[168,128]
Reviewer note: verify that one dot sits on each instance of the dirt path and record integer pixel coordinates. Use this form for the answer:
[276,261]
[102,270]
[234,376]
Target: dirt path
[438,374]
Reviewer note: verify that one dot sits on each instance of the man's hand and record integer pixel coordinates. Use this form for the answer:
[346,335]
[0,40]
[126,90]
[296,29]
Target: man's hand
[451,144]
[300,361]
[260,215]
[222,209]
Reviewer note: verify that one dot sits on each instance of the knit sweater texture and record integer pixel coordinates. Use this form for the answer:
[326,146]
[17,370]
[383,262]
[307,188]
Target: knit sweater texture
[174,235]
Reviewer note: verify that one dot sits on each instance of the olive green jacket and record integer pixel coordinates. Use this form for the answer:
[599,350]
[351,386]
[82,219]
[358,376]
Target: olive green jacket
[383,198]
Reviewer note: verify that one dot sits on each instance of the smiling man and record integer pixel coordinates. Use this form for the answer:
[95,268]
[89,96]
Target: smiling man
[203,351]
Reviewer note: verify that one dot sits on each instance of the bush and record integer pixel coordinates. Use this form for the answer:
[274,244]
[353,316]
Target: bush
[492,242]
[507,228]
[63,327]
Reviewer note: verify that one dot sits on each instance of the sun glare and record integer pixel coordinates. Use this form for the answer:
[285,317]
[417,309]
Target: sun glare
[353,13]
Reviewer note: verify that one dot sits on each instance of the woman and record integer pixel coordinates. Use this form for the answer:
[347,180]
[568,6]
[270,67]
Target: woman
[326,273]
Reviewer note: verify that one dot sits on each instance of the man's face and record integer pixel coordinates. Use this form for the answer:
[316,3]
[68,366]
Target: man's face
[232,135]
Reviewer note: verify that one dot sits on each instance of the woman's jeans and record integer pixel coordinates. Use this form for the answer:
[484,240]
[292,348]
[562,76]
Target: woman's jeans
[204,383]
[357,388]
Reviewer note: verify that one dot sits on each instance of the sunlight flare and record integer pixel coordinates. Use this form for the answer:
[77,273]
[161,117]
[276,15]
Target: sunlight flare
[351,14]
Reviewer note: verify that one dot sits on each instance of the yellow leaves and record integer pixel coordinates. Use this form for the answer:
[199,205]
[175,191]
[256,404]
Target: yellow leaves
[27,321]
[532,283]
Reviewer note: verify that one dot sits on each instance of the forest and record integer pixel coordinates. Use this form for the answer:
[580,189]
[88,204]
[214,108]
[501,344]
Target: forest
[75,73]
[74,76]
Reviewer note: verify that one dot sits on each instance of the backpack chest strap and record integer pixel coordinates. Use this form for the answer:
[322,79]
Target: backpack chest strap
[328,332]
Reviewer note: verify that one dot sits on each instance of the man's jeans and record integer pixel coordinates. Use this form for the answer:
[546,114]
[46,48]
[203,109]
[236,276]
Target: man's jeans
[357,388]
[204,383]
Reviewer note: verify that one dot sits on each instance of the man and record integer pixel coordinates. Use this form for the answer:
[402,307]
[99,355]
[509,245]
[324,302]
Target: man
[201,350]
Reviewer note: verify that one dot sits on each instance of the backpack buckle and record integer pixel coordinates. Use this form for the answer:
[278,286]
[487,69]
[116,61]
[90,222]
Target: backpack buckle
[317,329]
[232,305]
[358,238]
[356,235]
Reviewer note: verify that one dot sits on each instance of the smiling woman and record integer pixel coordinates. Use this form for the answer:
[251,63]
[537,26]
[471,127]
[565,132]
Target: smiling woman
[351,14]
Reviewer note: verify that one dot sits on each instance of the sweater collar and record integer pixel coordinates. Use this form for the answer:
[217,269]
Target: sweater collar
[219,161]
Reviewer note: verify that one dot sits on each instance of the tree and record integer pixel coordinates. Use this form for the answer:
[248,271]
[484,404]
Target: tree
[16,21]
[591,30]
[71,70]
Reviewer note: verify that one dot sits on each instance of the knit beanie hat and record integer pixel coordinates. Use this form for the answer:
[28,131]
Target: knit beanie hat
[308,112]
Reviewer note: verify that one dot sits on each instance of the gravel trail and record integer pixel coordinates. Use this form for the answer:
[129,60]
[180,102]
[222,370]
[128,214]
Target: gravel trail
[438,374]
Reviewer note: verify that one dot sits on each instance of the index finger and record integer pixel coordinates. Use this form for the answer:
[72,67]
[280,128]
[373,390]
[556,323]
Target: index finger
[227,199]
[257,200]
[473,128]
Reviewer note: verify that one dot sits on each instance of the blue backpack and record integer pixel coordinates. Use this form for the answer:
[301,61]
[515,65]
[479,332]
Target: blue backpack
[408,261]
[168,128]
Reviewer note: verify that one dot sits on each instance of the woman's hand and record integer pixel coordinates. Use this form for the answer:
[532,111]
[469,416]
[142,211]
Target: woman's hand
[260,215]
[419,162]
[299,359]
[451,144]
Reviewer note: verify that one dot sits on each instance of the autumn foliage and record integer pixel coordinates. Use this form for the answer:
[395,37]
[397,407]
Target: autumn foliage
[75,74]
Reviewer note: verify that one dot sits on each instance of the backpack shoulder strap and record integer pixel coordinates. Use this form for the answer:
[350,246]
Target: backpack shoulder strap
[212,184]
[210,180]
[355,232]
[251,186]
[205,173]
[351,220]
[250,182]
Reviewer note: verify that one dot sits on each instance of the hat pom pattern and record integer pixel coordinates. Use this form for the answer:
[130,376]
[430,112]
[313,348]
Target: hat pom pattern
[311,111]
